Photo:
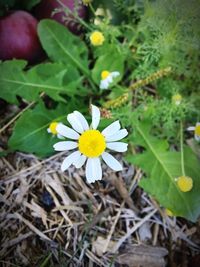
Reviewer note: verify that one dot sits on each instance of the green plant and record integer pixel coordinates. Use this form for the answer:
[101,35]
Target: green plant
[156,54]
[163,165]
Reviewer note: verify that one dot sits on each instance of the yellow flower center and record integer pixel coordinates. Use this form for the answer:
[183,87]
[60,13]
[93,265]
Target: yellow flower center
[105,74]
[97,38]
[177,98]
[91,143]
[197,130]
[185,183]
[52,127]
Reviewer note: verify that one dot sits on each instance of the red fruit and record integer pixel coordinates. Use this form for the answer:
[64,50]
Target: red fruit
[18,37]
[54,9]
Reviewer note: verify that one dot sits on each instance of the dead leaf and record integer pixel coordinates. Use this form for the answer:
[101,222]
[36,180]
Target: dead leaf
[21,191]
[145,232]
[37,211]
[99,244]
[118,183]
[143,256]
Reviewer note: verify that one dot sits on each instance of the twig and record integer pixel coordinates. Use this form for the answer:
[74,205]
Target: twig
[132,230]
[33,228]
[12,177]
[18,115]
[113,227]
[58,205]
[156,231]
[17,240]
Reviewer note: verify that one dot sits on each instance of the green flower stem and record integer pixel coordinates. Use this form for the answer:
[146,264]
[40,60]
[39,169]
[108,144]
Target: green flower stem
[92,9]
[181,147]
[81,21]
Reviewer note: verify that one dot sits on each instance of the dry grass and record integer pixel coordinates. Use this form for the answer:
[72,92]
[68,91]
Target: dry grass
[49,218]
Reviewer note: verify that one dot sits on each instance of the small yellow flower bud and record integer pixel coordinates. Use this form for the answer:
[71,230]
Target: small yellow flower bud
[197,130]
[97,38]
[169,212]
[185,183]
[52,127]
[86,2]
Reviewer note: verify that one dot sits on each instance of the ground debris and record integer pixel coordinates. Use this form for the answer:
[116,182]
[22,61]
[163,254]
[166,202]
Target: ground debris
[142,255]
[55,217]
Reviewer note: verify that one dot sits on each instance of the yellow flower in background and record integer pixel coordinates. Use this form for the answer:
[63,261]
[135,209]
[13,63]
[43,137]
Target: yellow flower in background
[97,38]
[176,99]
[52,129]
[185,183]
[169,213]
[86,2]
[107,78]
[196,130]
[90,144]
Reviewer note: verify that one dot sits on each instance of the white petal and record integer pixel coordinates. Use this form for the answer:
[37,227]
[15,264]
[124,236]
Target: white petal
[117,136]
[197,137]
[109,79]
[111,161]
[48,130]
[80,161]
[93,170]
[104,84]
[115,74]
[82,120]
[117,146]
[65,145]
[95,117]
[67,132]
[111,129]
[97,168]
[88,171]
[69,160]
[177,102]
[191,128]
[75,123]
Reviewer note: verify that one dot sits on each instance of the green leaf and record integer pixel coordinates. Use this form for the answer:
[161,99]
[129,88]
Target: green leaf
[57,79]
[51,78]
[162,166]
[30,132]
[13,82]
[113,60]
[61,45]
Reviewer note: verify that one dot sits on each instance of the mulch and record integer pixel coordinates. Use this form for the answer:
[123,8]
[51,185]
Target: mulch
[50,218]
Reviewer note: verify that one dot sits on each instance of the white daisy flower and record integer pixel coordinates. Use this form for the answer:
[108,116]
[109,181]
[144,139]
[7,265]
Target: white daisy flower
[52,129]
[176,99]
[90,144]
[196,130]
[107,78]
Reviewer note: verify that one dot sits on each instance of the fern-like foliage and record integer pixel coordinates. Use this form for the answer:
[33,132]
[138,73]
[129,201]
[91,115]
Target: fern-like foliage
[172,36]
[162,166]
